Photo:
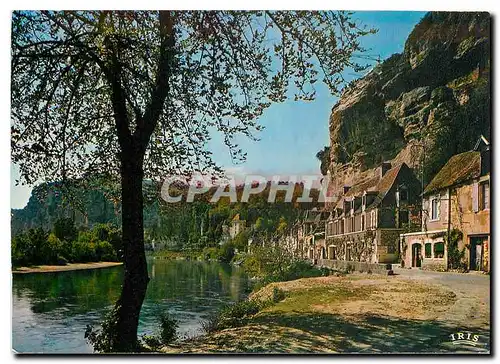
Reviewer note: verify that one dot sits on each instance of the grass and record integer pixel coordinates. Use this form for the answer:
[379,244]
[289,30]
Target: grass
[304,300]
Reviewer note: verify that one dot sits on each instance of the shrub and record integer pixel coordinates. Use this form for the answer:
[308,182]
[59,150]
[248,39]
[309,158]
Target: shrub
[61,260]
[278,295]
[104,251]
[104,340]
[167,332]
[210,325]
[455,256]
[240,241]
[210,253]
[168,329]
[65,229]
[226,253]
[152,341]
[83,249]
[232,315]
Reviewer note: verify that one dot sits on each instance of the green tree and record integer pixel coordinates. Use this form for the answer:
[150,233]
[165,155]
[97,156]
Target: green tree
[139,93]
[64,229]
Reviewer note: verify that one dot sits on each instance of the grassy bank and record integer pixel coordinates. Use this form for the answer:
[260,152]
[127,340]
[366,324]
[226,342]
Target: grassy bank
[354,313]
[62,268]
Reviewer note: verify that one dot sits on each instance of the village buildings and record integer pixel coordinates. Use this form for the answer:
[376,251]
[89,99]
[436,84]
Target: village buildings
[456,202]
[365,222]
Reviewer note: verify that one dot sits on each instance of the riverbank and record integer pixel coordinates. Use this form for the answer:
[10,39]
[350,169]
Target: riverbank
[64,268]
[358,313]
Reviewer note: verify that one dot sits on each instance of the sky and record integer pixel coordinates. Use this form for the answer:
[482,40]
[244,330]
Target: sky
[294,131]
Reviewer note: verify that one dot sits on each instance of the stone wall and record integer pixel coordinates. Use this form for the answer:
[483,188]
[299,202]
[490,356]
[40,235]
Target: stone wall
[351,265]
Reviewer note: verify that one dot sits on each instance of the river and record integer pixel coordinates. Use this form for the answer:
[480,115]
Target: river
[50,311]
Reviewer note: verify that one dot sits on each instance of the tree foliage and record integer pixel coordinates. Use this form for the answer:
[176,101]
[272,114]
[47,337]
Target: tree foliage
[74,73]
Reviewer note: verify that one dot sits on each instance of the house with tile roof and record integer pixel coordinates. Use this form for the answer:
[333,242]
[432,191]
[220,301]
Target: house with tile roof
[237,226]
[457,198]
[365,222]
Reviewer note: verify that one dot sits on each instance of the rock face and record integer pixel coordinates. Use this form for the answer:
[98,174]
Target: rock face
[419,107]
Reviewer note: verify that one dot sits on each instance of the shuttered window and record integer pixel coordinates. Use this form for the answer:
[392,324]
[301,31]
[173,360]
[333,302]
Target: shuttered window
[484,196]
[435,209]
[475,197]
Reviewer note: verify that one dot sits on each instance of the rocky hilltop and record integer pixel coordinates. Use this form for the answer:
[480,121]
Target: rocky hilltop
[419,107]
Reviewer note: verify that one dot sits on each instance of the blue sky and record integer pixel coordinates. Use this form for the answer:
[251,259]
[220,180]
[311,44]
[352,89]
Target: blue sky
[295,131]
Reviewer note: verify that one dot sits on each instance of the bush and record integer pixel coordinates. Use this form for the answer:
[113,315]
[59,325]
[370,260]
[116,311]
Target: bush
[104,340]
[455,256]
[278,295]
[104,251]
[64,229]
[240,241]
[226,253]
[210,254]
[83,249]
[168,329]
[167,332]
[233,315]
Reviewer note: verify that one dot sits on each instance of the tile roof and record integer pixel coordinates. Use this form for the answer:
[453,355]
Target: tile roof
[373,184]
[459,168]
[385,184]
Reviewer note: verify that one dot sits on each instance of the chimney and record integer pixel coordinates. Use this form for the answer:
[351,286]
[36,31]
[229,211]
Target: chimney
[384,168]
[346,188]
[485,160]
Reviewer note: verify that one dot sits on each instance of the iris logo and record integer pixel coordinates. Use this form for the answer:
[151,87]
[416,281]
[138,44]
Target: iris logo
[464,338]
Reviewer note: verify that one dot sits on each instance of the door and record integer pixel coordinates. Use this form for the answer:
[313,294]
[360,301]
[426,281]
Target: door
[476,253]
[416,260]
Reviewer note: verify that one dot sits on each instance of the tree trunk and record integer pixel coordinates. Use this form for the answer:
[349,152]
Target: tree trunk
[136,274]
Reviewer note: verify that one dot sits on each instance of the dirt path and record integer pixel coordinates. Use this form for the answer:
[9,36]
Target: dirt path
[361,313]
[63,268]
[472,290]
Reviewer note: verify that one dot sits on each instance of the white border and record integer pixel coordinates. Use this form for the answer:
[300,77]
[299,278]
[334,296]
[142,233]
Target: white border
[6,7]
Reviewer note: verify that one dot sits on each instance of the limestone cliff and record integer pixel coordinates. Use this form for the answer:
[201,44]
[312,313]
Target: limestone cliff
[418,107]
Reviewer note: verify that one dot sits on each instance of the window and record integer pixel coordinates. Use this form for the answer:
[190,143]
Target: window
[363,200]
[362,222]
[484,195]
[403,217]
[331,253]
[438,250]
[434,209]
[403,194]
[373,220]
[428,250]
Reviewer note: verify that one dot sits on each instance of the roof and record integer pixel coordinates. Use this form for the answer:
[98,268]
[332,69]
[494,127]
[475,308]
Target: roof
[385,184]
[459,168]
[374,184]
[236,217]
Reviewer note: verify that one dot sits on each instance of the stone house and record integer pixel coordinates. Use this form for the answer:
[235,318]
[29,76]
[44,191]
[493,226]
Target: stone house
[364,225]
[237,226]
[458,197]
[306,237]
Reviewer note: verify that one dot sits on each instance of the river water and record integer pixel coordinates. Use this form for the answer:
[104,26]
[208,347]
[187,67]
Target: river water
[50,311]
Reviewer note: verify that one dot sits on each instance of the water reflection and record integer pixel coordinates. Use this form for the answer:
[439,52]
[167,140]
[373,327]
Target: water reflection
[51,310]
